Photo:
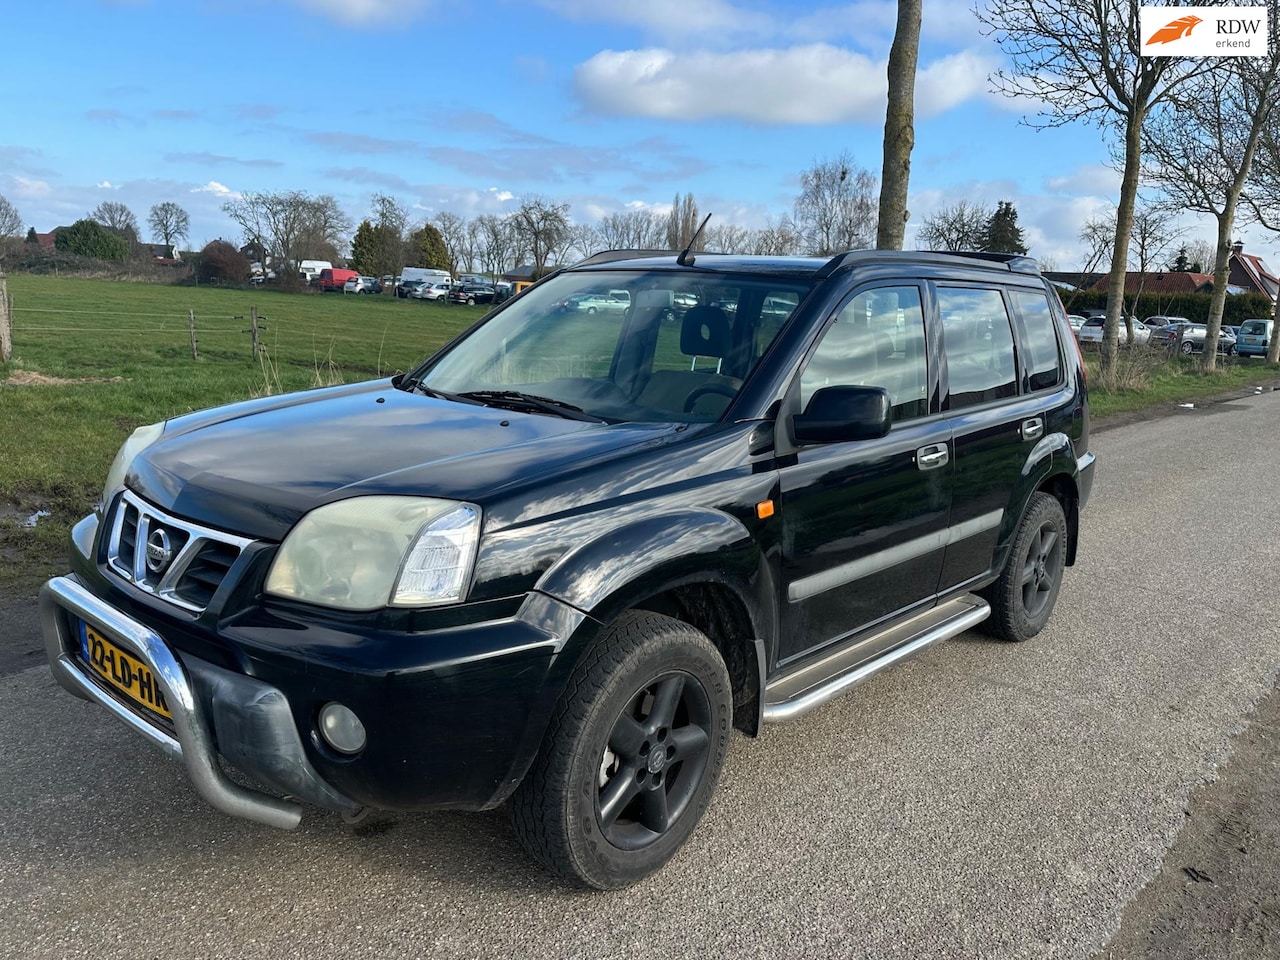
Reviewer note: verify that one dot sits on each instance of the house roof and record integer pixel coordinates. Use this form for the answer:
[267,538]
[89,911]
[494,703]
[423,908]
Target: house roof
[47,239]
[1260,277]
[1163,281]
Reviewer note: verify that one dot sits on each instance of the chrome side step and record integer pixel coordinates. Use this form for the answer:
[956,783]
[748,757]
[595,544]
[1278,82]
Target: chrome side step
[797,693]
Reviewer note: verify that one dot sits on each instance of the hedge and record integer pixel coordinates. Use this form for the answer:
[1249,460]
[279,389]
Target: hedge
[1194,306]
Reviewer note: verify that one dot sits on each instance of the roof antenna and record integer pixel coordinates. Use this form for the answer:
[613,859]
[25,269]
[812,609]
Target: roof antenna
[684,259]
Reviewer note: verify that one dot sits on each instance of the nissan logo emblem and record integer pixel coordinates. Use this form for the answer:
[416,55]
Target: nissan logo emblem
[159,550]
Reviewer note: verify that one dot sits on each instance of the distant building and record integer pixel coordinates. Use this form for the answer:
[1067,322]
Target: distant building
[1159,282]
[1248,272]
[162,253]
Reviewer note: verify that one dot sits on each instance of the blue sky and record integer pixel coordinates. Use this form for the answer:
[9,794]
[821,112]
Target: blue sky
[468,107]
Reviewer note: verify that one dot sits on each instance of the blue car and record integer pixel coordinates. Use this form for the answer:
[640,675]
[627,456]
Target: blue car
[1253,338]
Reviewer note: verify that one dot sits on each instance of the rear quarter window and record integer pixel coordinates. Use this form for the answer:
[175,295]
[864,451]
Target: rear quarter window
[1043,361]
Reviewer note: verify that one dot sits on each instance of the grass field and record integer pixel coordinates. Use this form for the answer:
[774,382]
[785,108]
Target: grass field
[95,359]
[125,350]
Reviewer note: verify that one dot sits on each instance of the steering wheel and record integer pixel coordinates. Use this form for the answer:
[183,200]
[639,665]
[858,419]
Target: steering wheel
[721,388]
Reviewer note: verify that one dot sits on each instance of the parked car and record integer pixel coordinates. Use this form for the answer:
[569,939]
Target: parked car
[555,564]
[334,279]
[1189,338]
[472,293]
[431,291]
[362,285]
[1091,332]
[601,303]
[1253,338]
[1075,321]
[407,288]
[1163,321]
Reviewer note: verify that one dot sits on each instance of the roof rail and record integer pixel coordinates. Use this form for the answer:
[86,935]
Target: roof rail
[610,256]
[1017,262]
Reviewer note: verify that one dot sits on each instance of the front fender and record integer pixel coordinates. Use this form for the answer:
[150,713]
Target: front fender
[608,574]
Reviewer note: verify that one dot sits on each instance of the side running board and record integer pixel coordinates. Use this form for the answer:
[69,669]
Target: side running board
[797,693]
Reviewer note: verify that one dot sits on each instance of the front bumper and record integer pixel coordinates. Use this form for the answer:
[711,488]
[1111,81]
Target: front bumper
[272,747]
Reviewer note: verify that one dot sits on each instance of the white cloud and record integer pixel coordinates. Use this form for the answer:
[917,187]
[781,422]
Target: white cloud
[712,22]
[813,84]
[30,188]
[1096,179]
[502,196]
[218,190]
[107,185]
[365,11]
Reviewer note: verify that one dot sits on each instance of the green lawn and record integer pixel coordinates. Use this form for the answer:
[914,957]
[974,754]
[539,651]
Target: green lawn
[124,348]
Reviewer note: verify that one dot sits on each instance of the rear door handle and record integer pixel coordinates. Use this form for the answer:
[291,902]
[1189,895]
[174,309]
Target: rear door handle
[933,456]
[1032,429]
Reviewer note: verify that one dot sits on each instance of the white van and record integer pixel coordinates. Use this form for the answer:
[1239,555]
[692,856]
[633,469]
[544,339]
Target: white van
[310,269]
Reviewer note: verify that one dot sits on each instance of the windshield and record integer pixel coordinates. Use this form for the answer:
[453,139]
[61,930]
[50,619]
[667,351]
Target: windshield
[658,346]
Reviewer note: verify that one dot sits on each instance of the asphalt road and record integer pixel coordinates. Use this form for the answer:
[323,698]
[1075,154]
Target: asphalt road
[982,800]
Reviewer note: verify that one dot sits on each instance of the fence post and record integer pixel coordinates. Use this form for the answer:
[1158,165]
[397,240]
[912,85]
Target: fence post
[191,326]
[253,329]
[6,334]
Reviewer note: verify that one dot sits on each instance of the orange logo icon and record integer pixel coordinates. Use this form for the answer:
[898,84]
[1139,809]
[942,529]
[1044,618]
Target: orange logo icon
[1174,31]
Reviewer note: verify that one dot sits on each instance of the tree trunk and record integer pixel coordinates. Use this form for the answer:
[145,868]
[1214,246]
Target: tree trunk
[1273,342]
[899,128]
[1218,300]
[1120,250]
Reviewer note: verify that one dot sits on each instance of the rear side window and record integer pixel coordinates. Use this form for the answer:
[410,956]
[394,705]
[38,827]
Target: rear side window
[978,343]
[1043,362]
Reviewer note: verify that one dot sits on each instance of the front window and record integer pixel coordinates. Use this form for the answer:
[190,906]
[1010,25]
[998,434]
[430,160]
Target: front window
[658,346]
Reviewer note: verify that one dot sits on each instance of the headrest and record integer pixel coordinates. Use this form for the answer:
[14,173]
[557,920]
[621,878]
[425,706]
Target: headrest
[704,332]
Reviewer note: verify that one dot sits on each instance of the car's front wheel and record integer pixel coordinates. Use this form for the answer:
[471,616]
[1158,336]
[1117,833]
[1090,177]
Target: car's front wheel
[1022,599]
[631,756]
[1187,347]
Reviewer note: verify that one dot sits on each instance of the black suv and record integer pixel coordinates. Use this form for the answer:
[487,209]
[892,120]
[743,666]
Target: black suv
[472,293]
[556,564]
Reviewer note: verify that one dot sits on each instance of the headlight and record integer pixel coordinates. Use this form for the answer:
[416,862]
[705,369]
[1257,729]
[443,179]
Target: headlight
[138,441]
[371,552]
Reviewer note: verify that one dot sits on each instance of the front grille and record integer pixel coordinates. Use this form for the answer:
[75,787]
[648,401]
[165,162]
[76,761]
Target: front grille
[176,560]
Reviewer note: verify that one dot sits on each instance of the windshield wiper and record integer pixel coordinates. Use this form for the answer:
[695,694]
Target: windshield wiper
[515,400]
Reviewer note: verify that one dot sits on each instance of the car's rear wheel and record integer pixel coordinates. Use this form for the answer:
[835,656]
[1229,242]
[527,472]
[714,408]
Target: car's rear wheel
[1022,599]
[1187,347]
[632,755]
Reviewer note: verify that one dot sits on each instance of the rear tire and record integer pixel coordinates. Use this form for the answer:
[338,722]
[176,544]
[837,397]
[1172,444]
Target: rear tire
[1022,599]
[1187,347]
[631,756]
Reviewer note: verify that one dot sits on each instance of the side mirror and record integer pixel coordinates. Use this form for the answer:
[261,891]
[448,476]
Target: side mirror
[836,414]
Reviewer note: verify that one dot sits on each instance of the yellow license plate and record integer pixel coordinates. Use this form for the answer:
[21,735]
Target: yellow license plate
[122,670]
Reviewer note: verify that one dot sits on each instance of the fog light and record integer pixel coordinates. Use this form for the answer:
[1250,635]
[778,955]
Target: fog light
[341,728]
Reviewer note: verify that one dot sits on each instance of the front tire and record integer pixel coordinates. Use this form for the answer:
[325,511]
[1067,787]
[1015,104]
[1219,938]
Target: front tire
[631,757]
[1187,347]
[1022,599]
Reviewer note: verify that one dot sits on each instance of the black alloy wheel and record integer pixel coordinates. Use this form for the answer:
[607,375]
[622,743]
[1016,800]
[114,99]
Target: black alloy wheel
[654,761]
[1023,597]
[631,757]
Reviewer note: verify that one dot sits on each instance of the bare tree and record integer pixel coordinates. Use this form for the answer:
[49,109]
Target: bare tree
[497,243]
[1153,234]
[961,226]
[453,229]
[274,223]
[836,209]
[115,216]
[325,232]
[10,220]
[1263,198]
[1202,147]
[632,230]
[682,223]
[899,128]
[540,226]
[1082,60]
[169,223]
[728,238]
[578,242]
[780,239]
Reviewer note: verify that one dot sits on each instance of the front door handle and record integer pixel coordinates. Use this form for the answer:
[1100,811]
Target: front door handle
[933,456]
[1032,429]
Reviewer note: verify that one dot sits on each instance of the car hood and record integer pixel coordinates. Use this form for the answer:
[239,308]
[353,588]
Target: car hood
[255,468]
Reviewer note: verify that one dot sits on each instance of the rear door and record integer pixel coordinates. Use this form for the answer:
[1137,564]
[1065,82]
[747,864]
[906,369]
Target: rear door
[864,521]
[998,390]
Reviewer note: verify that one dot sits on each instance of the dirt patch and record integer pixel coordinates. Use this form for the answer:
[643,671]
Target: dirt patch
[30,378]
